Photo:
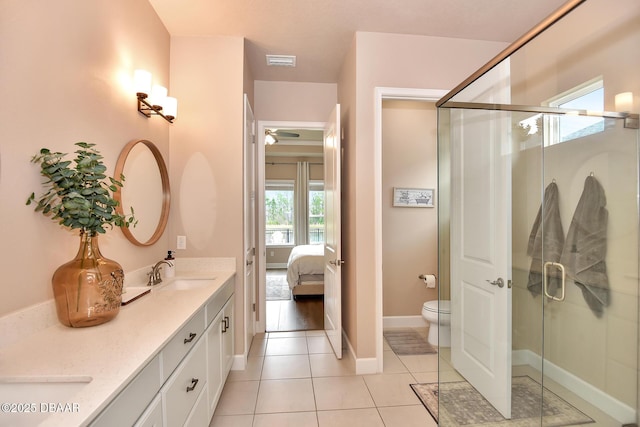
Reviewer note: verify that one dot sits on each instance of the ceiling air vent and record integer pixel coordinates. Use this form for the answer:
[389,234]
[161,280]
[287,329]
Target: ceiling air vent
[281,60]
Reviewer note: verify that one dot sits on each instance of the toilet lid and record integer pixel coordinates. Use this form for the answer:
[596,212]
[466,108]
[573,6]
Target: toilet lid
[445,306]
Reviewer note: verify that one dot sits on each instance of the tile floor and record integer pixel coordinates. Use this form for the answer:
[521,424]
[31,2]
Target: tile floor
[293,379]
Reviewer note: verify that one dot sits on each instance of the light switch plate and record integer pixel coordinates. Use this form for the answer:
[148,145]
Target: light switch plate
[181,242]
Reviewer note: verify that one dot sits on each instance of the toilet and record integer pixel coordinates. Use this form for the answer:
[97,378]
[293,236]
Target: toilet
[432,314]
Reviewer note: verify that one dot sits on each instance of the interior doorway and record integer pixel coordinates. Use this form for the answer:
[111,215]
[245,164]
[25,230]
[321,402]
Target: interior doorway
[384,93]
[290,205]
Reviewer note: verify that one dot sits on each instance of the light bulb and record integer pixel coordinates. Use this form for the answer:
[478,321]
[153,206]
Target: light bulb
[142,82]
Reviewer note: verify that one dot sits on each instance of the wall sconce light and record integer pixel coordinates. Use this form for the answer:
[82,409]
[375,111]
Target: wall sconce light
[153,100]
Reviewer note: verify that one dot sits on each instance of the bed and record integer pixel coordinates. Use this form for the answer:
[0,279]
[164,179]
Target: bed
[305,270]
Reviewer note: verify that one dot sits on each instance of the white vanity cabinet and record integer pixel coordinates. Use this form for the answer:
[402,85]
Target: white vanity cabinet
[219,336]
[127,407]
[183,382]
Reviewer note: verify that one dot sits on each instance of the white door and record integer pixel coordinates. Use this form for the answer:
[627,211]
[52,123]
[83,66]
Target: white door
[249,223]
[332,233]
[481,250]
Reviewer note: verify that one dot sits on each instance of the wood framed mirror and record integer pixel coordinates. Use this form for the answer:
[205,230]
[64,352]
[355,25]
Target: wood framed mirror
[146,189]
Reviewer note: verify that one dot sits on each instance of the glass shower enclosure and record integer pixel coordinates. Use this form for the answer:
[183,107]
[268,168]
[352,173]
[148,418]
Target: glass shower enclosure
[538,227]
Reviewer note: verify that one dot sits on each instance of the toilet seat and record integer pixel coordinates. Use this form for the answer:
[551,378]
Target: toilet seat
[432,306]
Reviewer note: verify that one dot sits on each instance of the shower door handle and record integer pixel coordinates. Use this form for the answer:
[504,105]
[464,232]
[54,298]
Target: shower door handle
[545,283]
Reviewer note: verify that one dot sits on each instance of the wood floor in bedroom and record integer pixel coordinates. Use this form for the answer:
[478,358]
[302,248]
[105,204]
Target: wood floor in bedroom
[305,314]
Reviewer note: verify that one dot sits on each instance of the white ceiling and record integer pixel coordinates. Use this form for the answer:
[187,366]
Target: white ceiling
[319,32]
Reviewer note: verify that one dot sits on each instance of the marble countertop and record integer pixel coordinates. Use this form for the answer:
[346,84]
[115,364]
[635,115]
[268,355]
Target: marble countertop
[110,355]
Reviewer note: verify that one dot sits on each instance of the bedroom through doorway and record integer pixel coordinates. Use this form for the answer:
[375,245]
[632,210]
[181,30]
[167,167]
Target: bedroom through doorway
[293,229]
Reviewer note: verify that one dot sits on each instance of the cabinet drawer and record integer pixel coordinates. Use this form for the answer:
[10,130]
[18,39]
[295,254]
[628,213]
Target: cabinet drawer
[219,299]
[152,417]
[181,343]
[132,401]
[199,416]
[180,392]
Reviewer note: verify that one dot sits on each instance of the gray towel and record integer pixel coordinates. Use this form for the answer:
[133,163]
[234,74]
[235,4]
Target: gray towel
[586,246]
[545,243]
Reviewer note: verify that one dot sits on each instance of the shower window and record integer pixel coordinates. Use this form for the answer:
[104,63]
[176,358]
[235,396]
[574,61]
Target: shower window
[588,96]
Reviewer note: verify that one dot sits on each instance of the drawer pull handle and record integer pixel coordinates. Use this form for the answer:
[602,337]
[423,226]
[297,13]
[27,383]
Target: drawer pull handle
[194,383]
[226,322]
[191,337]
[224,326]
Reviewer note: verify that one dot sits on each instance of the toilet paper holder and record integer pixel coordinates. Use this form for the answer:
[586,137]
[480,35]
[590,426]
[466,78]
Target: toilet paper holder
[429,279]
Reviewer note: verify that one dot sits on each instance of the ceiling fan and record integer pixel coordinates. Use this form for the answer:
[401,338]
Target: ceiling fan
[271,135]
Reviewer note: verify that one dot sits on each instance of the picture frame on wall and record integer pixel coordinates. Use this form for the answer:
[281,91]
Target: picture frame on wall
[413,197]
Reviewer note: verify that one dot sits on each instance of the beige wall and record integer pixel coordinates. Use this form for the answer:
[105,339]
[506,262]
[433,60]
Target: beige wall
[206,152]
[602,351]
[294,101]
[390,60]
[409,235]
[66,77]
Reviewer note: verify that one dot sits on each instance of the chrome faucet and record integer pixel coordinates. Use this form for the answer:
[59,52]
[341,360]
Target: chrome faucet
[154,274]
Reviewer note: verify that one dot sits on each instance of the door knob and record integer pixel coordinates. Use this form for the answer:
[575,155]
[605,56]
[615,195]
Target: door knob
[337,262]
[499,283]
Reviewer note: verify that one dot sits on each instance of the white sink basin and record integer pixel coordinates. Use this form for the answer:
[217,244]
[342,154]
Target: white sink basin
[32,399]
[187,284]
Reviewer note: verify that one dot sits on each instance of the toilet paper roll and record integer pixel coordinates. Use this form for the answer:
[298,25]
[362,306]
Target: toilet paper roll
[429,280]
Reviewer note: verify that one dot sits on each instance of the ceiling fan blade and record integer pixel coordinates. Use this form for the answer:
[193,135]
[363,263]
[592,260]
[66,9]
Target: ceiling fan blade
[287,134]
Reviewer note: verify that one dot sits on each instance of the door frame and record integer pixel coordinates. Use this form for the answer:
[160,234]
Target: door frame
[249,218]
[261,249]
[387,93]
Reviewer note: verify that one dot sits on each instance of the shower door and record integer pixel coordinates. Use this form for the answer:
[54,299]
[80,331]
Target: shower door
[590,323]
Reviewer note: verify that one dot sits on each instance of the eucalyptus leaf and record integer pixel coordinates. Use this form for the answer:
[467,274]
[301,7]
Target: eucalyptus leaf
[76,194]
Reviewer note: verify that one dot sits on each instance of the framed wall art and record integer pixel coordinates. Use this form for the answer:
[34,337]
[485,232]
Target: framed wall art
[413,197]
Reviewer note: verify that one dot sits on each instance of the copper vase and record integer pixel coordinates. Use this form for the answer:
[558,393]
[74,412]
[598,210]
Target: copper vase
[88,289]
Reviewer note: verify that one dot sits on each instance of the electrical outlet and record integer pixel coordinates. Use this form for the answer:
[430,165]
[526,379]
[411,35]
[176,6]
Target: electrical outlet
[181,242]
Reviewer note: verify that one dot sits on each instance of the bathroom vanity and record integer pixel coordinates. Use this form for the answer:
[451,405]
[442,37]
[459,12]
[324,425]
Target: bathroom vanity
[162,361]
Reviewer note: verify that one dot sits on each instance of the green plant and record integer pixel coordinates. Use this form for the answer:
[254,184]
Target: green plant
[77,196]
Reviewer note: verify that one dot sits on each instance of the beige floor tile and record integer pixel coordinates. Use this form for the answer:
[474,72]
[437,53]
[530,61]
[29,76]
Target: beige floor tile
[231,421]
[287,419]
[425,377]
[294,395]
[407,416]
[392,363]
[318,345]
[252,371]
[341,393]
[238,398]
[258,346]
[316,333]
[449,376]
[326,365]
[350,418]
[391,389]
[281,367]
[420,362]
[292,334]
[286,346]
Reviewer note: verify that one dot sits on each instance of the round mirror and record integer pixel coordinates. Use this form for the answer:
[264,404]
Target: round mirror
[146,189]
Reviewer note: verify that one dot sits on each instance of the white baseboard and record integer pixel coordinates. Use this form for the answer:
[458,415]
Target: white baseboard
[364,365]
[596,397]
[404,322]
[273,265]
[239,362]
